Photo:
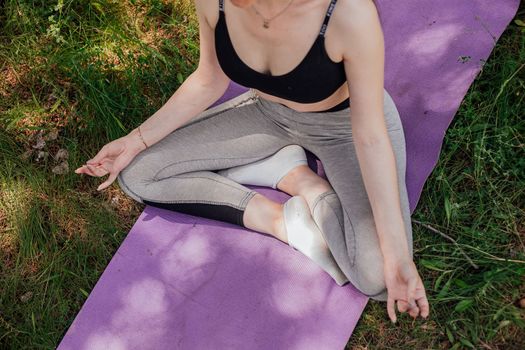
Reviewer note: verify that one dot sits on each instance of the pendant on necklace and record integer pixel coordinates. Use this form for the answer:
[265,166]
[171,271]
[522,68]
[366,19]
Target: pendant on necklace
[266,24]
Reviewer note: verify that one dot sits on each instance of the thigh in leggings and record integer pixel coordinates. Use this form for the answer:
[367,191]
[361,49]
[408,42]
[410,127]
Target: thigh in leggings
[177,173]
[344,214]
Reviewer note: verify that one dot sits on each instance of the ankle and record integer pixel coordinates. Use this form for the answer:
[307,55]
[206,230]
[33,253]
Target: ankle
[279,227]
[303,181]
[264,215]
[311,190]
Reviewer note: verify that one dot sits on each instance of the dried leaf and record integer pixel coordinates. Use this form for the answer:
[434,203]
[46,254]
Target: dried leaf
[27,154]
[26,296]
[41,155]
[40,143]
[61,168]
[115,201]
[61,154]
[52,135]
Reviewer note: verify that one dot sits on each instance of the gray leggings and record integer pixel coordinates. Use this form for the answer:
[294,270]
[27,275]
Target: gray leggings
[180,173]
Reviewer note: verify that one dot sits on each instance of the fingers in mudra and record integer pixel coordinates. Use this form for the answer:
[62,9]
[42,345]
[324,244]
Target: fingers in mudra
[422,301]
[97,170]
[88,170]
[402,306]
[92,170]
[413,311]
[419,305]
[406,292]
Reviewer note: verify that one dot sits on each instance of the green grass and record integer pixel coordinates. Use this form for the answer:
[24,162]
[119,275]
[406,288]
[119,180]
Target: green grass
[93,70]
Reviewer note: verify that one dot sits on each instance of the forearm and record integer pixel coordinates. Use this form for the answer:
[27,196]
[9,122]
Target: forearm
[378,167]
[196,94]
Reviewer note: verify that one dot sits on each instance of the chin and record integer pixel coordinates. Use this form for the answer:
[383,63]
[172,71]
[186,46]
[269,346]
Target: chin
[242,3]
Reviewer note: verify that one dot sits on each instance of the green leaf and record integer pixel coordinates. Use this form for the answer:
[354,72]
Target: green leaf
[466,342]
[98,7]
[180,78]
[86,294]
[445,288]
[504,323]
[519,22]
[463,305]
[436,265]
[55,105]
[447,209]
[449,335]
[438,280]
[460,283]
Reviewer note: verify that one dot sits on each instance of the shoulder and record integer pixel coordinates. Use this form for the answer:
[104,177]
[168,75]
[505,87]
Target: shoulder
[208,10]
[354,17]
[356,23]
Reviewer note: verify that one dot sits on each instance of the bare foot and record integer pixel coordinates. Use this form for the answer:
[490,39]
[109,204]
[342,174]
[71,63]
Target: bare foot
[265,215]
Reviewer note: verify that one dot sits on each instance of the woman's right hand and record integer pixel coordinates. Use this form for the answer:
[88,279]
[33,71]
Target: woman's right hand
[112,158]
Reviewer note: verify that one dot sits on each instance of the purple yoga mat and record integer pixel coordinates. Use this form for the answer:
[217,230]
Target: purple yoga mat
[185,282]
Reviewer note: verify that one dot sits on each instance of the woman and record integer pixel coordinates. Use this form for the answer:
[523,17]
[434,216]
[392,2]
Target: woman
[304,60]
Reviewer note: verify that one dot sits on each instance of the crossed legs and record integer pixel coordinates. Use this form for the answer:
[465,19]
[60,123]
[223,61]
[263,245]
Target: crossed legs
[349,228]
[180,171]
[177,173]
[299,181]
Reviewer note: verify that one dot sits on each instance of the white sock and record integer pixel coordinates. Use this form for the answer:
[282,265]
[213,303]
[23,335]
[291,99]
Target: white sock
[268,171]
[304,235]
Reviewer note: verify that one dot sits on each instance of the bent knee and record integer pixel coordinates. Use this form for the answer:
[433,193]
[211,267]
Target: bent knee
[128,186]
[370,280]
[371,287]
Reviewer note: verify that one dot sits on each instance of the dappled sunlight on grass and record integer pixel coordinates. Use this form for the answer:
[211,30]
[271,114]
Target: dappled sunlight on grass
[103,58]
[15,198]
[79,70]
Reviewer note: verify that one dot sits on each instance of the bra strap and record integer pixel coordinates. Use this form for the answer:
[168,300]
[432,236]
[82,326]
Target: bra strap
[327,17]
[221,5]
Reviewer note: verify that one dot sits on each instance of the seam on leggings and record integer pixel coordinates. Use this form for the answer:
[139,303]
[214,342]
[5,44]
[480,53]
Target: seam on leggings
[259,106]
[232,103]
[199,159]
[202,177]
[123,183]
[198,201]
[246,198]
[352,258]
[275,124]
[321,196]
[353,234]
[245,98]
[242,208]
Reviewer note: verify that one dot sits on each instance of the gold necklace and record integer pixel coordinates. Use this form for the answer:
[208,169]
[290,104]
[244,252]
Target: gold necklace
[266,21]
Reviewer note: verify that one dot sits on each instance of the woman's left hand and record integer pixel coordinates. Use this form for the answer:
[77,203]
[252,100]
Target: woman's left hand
[405,288]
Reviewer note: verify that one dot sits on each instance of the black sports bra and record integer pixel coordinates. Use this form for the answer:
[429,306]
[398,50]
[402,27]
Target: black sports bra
[314,79]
